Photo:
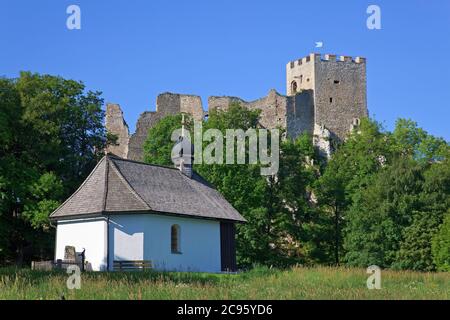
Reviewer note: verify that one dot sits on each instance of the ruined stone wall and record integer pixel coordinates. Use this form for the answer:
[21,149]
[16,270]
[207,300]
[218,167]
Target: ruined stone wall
[172,103]
[116,125]
[223,102]
[273,108]
[166,104]
[325,97]
[300,114]
[192,105]
[146,121]
[295,113]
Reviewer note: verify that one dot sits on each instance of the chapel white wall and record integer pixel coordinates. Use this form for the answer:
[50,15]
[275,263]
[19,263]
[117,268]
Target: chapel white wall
[148,237]
[89,234]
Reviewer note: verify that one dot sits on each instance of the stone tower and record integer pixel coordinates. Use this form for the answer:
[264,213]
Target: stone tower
[338,88]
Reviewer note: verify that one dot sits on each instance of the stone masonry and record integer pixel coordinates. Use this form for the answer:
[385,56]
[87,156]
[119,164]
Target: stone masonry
[166,104]
[338,87]
[116,124]
[326,97]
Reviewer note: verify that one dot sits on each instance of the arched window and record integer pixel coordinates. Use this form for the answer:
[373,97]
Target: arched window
[294,87]
[175,238]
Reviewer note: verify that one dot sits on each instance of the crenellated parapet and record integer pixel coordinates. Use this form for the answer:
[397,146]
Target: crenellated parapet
[317,57]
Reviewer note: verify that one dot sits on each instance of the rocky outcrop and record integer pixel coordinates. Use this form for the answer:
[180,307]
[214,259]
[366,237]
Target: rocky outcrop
[322,140]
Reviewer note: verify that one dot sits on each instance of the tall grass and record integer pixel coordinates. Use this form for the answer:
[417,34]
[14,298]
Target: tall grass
[259,283]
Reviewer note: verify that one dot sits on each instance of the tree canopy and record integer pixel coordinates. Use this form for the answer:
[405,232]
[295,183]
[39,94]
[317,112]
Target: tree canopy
[52,135]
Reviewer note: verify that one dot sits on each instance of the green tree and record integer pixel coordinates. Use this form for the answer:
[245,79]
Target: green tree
[52,135]
[383,196]
[282,224]
[63,125]
[158,145]
[434,199]
[392,220]
[44,198]
[244,187]
[380,212]
[349,170]
[410,140]
[415,248]
[296,224]
[441,245]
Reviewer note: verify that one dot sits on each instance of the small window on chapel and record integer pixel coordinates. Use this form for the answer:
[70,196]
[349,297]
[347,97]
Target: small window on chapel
[337,81]
[331,100]
[175,238]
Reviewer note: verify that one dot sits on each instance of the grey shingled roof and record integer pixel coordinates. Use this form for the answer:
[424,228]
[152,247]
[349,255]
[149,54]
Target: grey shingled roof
[118,185]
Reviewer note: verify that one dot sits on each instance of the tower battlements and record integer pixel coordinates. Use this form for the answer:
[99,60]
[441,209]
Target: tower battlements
[325,57]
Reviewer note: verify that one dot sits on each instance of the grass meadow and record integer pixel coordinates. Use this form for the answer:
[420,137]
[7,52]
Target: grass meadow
[259,283]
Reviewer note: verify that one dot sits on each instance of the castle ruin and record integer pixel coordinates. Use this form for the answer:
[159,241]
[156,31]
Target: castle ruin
[326,96]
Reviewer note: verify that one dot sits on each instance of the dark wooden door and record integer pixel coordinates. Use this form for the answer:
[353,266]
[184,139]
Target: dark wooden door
[228,246]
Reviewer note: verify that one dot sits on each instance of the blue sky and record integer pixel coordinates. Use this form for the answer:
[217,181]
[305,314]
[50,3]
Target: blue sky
[133,50]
